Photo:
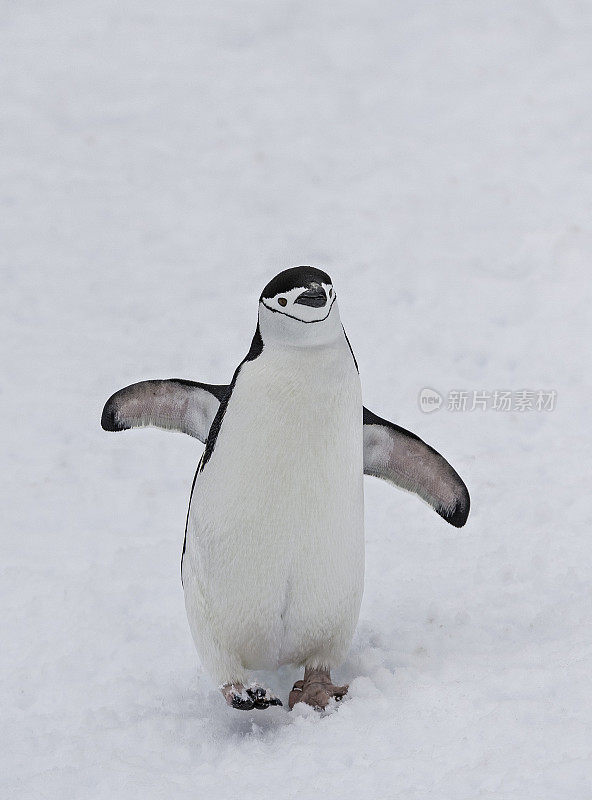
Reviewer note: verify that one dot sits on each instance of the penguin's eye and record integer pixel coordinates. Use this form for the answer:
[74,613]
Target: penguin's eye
[282,301]
[331,292]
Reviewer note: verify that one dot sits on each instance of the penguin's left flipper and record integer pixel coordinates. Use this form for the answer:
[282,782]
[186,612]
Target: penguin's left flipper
[173,404]
[403,459]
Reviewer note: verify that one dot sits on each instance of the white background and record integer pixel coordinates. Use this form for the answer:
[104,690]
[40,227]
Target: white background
[160,162]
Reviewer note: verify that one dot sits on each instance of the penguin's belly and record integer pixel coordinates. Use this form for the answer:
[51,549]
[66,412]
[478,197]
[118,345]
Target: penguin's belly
[275,544]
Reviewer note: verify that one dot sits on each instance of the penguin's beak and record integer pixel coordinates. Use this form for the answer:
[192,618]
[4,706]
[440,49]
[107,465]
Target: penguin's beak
[315,296]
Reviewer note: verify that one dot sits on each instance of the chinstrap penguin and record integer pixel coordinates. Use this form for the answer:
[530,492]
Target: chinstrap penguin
[273,556]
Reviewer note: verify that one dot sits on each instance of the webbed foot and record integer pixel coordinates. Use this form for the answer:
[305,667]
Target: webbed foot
[316,689]
[247,698]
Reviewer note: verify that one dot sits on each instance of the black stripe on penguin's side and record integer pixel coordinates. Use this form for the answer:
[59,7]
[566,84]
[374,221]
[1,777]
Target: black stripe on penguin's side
[187,517]
[255,350]
[353,356]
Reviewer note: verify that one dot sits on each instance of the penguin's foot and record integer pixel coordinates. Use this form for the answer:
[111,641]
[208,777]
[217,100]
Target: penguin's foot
[316,689]
[246,698]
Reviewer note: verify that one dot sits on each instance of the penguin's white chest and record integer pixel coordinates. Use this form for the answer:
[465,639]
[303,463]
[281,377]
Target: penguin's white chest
[275,549]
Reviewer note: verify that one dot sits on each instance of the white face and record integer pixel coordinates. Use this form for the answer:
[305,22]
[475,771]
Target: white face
[307,309]
[304,316]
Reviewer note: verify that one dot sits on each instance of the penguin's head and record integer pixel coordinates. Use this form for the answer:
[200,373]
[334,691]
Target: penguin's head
[299,307]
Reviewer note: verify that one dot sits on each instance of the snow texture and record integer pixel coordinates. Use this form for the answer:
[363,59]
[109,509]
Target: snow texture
[159,163]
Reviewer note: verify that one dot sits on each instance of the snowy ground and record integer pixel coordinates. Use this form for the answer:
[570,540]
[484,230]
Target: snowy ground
[159,163]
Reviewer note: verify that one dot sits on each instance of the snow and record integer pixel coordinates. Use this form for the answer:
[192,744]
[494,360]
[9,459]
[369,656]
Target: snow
[160,162]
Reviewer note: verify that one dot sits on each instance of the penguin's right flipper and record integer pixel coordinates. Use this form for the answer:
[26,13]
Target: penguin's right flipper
[174,405]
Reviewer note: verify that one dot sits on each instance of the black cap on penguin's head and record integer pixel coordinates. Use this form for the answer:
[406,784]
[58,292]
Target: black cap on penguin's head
[295,278]
[295,296]
[304,286]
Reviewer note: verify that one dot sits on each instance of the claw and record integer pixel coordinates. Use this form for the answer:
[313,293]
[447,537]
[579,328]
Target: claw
[245,699]
[242,703]
[262,698]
